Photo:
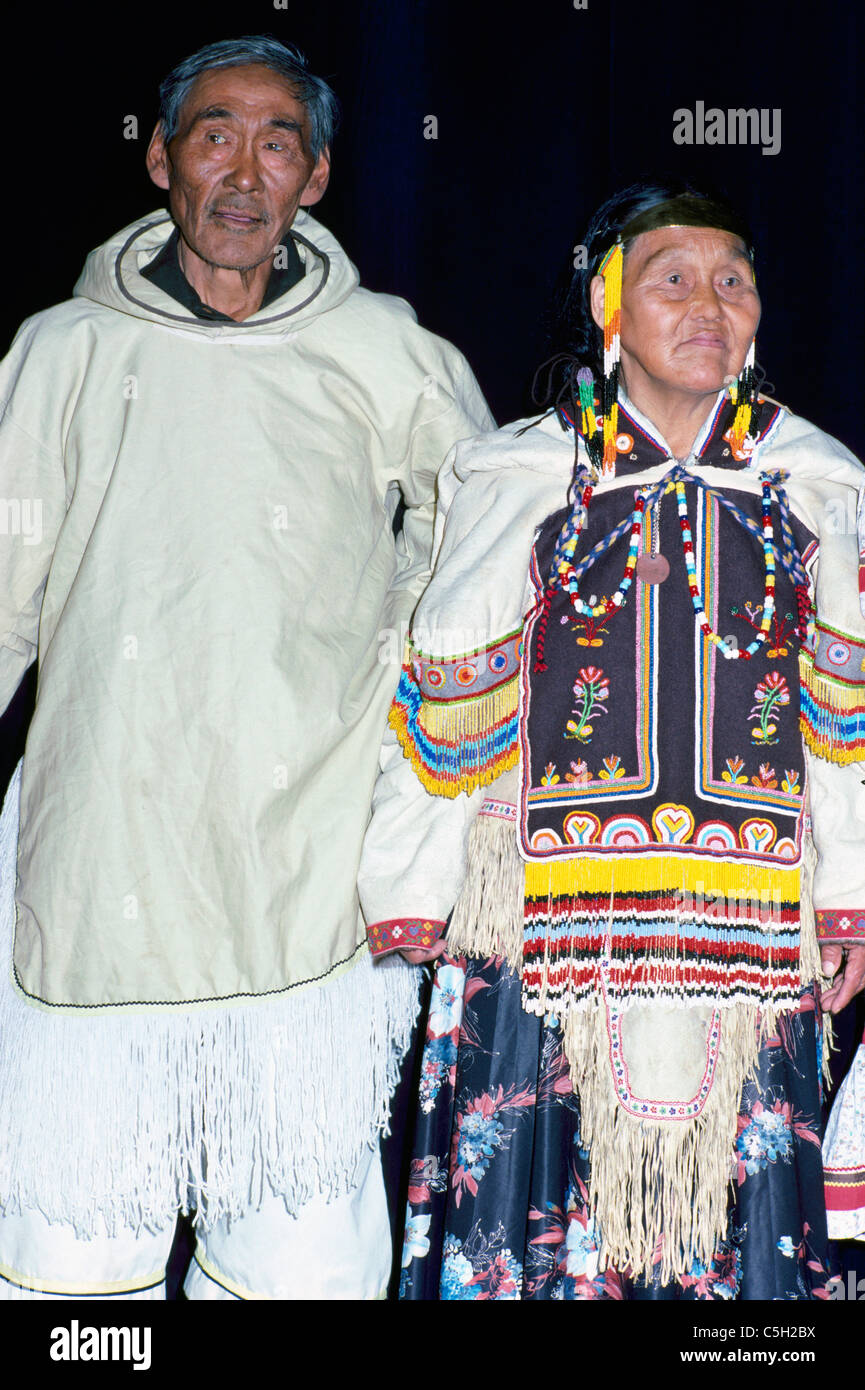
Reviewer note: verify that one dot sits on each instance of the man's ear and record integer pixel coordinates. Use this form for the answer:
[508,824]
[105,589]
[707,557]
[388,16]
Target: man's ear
[157,157]
[317,181]
[596,299]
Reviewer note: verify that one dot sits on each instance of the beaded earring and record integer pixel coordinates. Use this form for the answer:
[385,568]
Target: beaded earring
[743,394]
[611,270]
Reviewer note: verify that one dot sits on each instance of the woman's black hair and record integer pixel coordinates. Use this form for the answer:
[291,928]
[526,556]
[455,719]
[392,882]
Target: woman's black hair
[574,339]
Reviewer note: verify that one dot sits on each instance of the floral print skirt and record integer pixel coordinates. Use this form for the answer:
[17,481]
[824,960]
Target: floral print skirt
[498,1186]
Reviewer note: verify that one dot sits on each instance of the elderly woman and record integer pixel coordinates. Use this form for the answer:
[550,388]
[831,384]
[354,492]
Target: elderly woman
[625,753]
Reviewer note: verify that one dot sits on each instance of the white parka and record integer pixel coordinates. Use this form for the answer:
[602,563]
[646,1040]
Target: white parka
[199,544]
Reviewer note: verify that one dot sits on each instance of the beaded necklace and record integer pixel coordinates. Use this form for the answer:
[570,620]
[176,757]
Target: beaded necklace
[565,574]
[731,653]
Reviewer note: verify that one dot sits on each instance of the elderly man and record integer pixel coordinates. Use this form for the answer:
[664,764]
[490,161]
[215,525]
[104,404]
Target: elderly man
[210,440]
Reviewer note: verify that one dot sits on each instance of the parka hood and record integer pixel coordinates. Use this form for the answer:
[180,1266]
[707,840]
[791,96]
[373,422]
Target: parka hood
[112,277]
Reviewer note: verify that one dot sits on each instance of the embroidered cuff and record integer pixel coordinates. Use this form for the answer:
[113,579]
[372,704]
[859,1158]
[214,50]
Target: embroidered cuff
[840,924]
[832,709]
[456,718]
[398,932]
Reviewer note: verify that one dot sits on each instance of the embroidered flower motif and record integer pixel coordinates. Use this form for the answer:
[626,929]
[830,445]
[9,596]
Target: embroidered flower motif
[734,768]
[479,1133]
[765,777]
[720,1278]
[591,688]
[781,628]
[592,629]
[580,1254]
[416,1241]
[457,1273]
[612,770]
[550,777]
[771,693]
[446,1004]
[488,1274]
[764,1137]
[791,782]
[501,1278]
[438,1062]
[479,1137]
[579,774]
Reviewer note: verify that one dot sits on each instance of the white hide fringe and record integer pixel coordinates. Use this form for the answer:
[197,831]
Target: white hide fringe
[136,1115]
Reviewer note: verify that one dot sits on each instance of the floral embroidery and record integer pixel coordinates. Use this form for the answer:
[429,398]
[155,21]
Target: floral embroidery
[791,781]
[439,1058]
[771,693]
[565,1253]
[479,1133]
[478,1136]
[593,628]
[550,778]
[734,768]
[765,777]
[479,1269]
[720,1278]
[446,1004]
[457,1272]
[416,1240]
[782,628]
[612,770]
[579,774]
[591,688]
[764,1137]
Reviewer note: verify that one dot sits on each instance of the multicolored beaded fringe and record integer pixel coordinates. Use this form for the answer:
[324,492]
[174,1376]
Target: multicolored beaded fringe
[678,928]
[831,714]
[457,745]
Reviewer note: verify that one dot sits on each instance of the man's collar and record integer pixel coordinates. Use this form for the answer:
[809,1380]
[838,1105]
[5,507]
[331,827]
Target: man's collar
[164,271]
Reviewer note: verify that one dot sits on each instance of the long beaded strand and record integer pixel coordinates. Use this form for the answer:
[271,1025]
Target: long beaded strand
[731,653]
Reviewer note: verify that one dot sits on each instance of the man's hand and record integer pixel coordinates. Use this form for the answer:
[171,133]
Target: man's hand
[846,965]
[420,955]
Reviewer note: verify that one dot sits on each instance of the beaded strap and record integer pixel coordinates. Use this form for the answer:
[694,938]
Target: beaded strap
[566,575]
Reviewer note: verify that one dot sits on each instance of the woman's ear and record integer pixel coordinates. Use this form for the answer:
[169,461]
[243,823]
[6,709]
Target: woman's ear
[596,299]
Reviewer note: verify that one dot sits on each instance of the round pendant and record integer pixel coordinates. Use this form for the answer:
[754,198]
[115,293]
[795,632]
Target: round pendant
[652,569]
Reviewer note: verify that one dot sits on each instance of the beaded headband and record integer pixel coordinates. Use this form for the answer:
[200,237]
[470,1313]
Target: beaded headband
[683,211]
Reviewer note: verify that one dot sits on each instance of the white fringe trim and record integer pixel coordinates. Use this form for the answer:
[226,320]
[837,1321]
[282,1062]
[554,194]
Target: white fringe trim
[133,1117]
[659,1189]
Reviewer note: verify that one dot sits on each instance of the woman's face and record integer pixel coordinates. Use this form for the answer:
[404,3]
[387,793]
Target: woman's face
[689,311]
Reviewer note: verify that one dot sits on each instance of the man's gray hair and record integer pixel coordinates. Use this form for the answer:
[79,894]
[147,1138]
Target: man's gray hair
[322,107]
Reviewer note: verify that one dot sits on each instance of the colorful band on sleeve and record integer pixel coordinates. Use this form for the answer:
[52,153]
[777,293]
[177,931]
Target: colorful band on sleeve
[832,709]
[456,718]
[397,933]
[840,924]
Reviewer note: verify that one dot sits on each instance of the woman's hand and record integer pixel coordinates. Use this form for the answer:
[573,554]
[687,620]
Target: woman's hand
[421,955]
[846,965]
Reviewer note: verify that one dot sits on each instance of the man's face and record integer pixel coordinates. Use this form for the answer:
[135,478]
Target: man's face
[239,166]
